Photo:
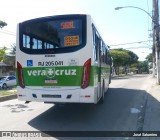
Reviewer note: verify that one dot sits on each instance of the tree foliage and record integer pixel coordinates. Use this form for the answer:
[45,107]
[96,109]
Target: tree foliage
[12,57]
[3,54]
[2,50]
[2,24]
[13,49]
[149,57]
[133,58]
[119,57]
[141,66]
[124,58]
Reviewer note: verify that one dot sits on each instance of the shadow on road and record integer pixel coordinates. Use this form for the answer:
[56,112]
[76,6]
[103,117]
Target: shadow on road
[114,115]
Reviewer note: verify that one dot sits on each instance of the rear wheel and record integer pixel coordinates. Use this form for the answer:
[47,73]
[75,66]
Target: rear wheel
[102,98]
[110,79]
[4,86]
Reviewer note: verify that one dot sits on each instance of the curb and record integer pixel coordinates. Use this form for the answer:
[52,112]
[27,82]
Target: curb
[9,97]
[152,106]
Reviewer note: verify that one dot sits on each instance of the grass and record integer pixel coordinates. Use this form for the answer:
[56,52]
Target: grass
[9,91]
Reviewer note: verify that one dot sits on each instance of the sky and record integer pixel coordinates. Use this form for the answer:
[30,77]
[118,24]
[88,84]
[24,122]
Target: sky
[116,27]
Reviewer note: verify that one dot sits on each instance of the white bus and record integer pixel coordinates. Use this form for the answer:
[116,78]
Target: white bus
[61,59]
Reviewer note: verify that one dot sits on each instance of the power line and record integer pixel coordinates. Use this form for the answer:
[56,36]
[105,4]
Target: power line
[7,32]
[138,47]
[129,43]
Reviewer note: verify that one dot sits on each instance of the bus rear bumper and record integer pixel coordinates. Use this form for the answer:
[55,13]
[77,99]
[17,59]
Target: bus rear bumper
[62,95]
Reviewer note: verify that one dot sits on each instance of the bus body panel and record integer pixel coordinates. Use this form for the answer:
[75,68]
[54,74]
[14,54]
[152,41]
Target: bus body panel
[57,78]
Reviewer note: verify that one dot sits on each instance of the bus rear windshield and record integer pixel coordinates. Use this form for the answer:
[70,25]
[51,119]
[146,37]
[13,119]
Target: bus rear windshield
[52,36]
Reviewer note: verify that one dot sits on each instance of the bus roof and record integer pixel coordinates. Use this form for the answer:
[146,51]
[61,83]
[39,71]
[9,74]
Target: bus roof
[55,16]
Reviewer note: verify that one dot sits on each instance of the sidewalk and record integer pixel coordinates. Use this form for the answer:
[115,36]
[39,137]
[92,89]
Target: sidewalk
[152,112]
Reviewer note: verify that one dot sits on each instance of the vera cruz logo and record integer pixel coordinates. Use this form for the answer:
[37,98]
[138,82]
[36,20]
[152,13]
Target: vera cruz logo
[52,72]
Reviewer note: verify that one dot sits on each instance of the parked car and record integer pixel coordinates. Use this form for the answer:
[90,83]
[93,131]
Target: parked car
[7,81]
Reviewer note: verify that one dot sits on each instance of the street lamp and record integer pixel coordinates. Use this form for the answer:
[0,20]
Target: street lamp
[118,8]
[155,35]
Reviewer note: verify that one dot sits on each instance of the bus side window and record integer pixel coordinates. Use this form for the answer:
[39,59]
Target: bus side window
[108,59]
[106,56]
[98,48]
[101,51]
[94,43]
[104,52]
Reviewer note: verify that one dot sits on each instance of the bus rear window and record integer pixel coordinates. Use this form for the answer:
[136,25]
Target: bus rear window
[58,35]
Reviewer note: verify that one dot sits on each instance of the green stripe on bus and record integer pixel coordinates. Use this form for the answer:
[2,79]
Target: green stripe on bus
[59,76]
[54,76]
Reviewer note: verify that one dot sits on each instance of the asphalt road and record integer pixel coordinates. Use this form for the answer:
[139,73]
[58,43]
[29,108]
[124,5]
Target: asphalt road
[123,110]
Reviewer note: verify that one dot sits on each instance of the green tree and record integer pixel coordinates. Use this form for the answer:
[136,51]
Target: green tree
[149,57]
[13,49]
[2,24]
[124,58]
[2,51]
[119,59]
[141,66]
[133,57]
[10,58]
[3,54]
[13,53]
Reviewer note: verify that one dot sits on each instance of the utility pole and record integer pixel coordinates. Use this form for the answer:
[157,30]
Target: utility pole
[156,37]
[154,45]
[153,57]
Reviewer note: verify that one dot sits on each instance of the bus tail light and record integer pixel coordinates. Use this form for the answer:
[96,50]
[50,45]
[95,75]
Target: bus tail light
[86,74]
[20,75]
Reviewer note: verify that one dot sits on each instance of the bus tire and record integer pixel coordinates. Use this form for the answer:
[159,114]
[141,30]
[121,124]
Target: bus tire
[110,79]
[4,86]
[102,98]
